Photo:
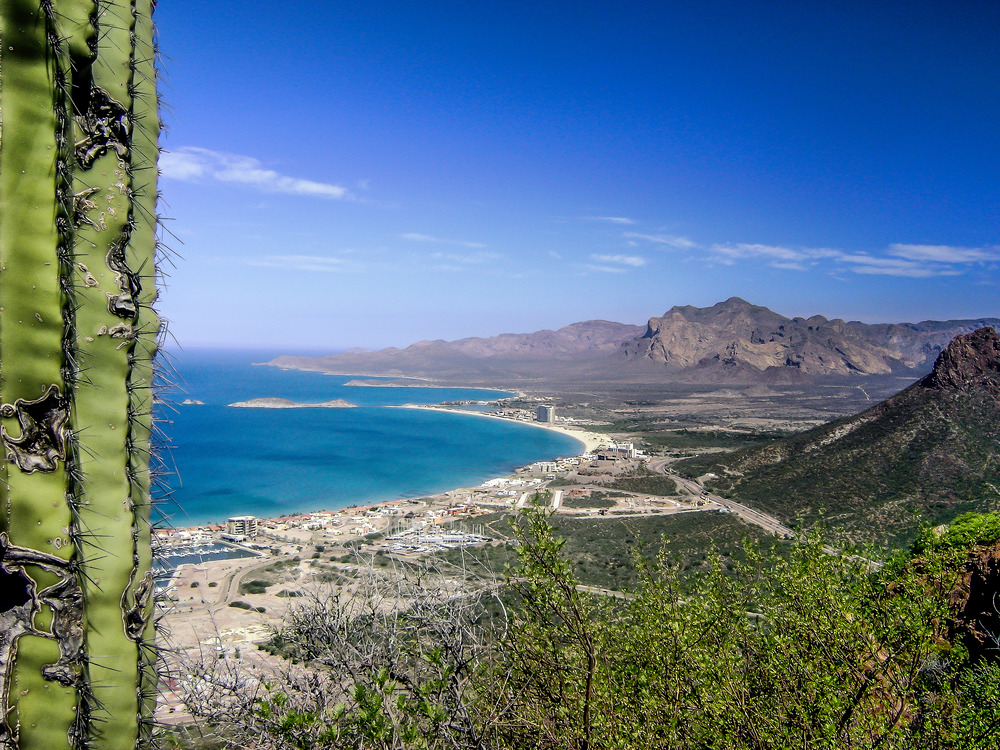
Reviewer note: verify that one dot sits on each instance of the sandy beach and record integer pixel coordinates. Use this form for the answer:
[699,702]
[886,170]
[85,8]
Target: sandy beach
[591,440]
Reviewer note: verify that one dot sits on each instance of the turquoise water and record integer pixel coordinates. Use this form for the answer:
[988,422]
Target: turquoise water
[272,462]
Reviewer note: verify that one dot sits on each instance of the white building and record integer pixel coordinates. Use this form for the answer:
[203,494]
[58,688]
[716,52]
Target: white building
[624,450]
[546,414]
[242,526]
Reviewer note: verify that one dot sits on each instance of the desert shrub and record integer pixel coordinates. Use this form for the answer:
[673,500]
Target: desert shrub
[256,586]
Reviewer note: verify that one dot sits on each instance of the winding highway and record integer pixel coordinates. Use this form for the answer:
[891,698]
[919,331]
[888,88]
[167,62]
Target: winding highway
[765,521]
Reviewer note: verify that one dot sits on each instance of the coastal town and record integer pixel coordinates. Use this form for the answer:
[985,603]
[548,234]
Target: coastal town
[225,586]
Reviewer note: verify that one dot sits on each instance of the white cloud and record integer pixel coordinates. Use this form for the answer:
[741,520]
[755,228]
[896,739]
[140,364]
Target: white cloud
[868,264]
[920,261]
[774,255]
[898,259]
[943,253]
[468,259]
[611,219]
[789,265]
[922,265]
[312,263]
[604,269]
[192,164]
[682,243]
[626,260]
[416,237]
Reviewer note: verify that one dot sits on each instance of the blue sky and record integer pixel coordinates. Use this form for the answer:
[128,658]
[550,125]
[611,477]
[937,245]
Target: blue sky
[376,173]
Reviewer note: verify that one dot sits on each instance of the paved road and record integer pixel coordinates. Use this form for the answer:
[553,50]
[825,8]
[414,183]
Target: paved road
[765,521]
[557,497]
[237,577]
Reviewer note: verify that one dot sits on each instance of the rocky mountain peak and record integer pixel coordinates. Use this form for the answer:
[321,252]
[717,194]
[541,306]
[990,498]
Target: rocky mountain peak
[971,360]
[736,302]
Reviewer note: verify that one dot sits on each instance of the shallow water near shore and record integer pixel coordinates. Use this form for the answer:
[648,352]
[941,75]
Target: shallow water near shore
[272,462]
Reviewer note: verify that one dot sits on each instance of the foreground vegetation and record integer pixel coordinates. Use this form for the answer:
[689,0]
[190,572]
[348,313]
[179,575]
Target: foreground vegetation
[610,553]
[777,649]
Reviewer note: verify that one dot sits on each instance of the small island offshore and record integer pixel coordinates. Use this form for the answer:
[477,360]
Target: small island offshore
[284,403]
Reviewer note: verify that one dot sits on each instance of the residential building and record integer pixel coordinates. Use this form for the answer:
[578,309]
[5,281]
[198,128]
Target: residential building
[242,526]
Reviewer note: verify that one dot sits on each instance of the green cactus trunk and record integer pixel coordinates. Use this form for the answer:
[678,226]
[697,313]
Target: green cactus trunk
[78,149]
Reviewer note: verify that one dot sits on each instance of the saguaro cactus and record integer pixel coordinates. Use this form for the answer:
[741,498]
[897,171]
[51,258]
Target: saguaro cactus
[78,149]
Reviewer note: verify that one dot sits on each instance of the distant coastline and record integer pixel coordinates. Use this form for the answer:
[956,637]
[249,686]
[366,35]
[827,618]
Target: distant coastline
[396,383]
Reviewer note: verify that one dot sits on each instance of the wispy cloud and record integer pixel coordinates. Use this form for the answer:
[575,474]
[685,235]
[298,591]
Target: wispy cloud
[311,263]
[790,258]
[416,237]
[603,269]
[906,261]
[463,261]
[610,219]
[681,243]
[625,260]
[944,253]
[467,259]
[873,265]
[193,164]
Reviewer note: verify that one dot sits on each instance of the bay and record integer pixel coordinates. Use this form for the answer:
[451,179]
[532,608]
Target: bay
[227,461]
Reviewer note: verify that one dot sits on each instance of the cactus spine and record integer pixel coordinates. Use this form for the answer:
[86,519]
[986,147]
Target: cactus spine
[78,148]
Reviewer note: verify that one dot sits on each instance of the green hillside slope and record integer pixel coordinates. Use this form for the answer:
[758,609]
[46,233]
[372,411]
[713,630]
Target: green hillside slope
[926,454]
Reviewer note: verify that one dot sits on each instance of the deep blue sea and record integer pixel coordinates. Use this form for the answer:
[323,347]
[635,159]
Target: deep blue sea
[271,462]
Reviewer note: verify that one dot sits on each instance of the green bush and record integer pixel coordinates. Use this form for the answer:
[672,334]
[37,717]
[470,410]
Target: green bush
[256,586]
[968,530]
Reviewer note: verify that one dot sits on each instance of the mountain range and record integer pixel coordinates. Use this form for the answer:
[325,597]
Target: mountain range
[926,454]
[730,342]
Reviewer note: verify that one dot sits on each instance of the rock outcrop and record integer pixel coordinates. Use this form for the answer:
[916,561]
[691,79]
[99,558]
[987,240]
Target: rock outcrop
[974,602]
[969,362]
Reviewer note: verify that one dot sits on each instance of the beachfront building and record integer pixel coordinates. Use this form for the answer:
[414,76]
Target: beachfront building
[620,450]
[546,414]
[242,526]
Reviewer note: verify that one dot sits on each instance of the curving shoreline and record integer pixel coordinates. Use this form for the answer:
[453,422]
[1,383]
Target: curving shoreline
[588,441]
[591,440]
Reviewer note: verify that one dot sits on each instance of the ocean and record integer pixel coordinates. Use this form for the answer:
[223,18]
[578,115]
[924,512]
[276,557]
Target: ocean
[227,461]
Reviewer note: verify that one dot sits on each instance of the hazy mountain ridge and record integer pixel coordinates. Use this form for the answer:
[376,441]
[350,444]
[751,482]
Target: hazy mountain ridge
[733,341]
[933,449]
[507,356]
